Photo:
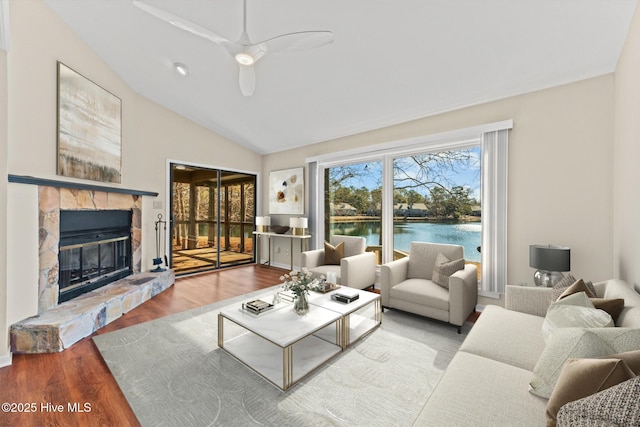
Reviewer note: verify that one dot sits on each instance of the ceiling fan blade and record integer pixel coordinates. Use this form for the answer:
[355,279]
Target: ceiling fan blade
[302,40]
[182,23]
[247,80]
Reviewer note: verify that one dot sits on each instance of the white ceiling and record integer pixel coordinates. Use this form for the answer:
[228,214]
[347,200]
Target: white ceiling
[391,60]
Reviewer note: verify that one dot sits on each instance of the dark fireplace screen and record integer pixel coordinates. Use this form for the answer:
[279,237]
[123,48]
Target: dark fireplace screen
[95,250]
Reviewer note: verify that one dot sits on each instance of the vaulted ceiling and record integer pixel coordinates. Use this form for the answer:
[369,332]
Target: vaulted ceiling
[391,61]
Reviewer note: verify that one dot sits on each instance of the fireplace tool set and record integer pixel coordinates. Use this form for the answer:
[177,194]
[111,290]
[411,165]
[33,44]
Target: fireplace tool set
[161,229]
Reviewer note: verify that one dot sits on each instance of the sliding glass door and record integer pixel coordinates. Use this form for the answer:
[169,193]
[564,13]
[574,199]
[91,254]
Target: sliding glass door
[212,218]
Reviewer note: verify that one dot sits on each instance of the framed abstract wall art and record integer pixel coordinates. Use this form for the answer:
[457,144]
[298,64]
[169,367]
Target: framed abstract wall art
[89,129]
[286,191]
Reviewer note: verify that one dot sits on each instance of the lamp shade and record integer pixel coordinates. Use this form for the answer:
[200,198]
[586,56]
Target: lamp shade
[550,258]
[263,220]
[298,222]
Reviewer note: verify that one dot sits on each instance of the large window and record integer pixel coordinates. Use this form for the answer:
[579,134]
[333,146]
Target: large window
[446,188]
[353,203]
[436,198]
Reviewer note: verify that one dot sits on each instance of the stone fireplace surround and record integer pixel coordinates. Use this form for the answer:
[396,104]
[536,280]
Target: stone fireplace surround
[57,326]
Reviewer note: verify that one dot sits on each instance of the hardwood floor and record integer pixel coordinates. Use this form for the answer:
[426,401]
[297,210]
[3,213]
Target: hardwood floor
[45,387]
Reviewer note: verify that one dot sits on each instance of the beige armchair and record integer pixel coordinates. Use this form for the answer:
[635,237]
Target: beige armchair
[357,269]
[406,284]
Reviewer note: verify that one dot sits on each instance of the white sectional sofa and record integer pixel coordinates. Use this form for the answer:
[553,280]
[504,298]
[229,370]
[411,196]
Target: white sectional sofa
[487,382]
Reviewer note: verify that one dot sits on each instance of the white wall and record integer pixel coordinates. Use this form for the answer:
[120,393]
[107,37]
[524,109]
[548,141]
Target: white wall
[560,169]
[626,205]
[151,134]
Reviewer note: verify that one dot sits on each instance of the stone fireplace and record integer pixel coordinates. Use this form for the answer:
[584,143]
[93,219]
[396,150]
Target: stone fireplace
[66,315]
[51,202]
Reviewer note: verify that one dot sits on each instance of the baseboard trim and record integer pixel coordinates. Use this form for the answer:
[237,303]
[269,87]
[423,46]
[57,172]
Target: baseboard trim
[6,360]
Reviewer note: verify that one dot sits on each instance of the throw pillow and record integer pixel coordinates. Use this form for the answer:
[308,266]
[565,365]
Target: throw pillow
[616,406]
[443,269]
[583,377]
[577,286]
[568,343]
[564,284]
[576,310]
[333,254]
[612,306]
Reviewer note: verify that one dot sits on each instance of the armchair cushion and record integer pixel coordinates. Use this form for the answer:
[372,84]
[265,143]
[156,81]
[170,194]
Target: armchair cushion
[333,254]
[444,268]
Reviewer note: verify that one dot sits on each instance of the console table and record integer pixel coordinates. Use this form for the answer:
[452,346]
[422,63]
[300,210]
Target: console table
[269,234]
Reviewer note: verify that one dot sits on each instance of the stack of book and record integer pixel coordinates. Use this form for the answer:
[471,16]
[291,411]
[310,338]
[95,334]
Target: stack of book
[287,296]
[345,295]
[257,306]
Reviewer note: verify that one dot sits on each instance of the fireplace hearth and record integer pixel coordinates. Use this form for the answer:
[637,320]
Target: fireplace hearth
[94,250]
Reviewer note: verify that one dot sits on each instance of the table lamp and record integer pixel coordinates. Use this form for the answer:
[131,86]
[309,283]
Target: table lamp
[263,223]
[549,261]
[298,226]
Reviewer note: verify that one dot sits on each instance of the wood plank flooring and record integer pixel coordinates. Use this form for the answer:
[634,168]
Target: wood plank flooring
[78,376]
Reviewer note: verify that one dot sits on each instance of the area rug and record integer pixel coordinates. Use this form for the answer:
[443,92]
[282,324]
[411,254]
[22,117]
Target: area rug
[172,372]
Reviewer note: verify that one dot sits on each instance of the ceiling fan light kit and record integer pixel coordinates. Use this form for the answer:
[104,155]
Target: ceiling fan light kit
[243,51]
[245,59]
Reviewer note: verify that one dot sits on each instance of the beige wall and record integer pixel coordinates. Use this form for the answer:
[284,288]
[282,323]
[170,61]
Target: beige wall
[4,338]
[626,207]
[151,134]
[560,169]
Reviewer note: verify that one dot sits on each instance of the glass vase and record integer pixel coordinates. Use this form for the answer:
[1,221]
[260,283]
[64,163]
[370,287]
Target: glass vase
[301,304]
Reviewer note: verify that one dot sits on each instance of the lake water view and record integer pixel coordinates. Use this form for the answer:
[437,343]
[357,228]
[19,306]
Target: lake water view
[467,234]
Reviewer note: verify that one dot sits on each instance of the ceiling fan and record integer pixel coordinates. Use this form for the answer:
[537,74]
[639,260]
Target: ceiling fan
[244,51]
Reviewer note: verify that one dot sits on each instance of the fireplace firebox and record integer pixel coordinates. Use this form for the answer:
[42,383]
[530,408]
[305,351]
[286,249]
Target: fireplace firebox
[95,250]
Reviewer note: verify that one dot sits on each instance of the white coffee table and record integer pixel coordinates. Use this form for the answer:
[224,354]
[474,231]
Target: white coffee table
[284,347]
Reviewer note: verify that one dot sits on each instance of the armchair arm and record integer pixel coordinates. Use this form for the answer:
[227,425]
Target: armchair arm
[311,259]
[527,299]
[358,271]
[463,294]
[391,274]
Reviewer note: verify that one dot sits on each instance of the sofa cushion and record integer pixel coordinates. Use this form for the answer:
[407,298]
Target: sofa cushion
[616,406]
[333,254]
[498,334]
[575,310]
[477,391]
[568,343]
[630,315]
[443,268]
[423,292]
[583,377]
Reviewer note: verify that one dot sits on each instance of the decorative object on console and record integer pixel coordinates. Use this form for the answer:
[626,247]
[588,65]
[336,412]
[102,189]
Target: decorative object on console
[550,261]
[279,229]
[89,129]
[263,223]
[298,226]
[286,191]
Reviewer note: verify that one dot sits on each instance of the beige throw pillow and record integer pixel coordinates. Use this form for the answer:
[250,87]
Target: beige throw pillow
[565,283]
[583,377]
[333,254]
[443,269]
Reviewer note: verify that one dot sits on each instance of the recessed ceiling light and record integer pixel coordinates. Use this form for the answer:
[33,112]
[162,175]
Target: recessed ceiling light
[244,58]
[182,69]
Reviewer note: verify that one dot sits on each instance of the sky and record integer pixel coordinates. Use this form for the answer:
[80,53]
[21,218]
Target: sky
[371,175]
